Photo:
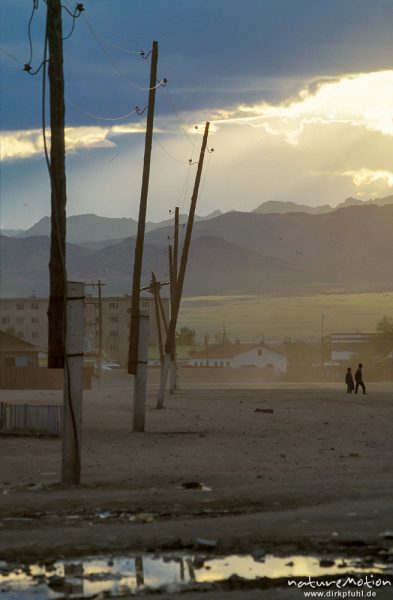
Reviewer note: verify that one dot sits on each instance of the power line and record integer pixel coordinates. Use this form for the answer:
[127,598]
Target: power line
[75,15]
[183,162]
[93,116]
[192,142]
[11,56]
[115,68]
[35,7]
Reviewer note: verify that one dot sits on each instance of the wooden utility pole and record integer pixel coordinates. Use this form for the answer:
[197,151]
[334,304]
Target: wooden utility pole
[176,243]
[207,349]
[99,285]
[182,272]
[140,379]
[57,262]
[173,373]
[73,386]
[136,282]
[155,291]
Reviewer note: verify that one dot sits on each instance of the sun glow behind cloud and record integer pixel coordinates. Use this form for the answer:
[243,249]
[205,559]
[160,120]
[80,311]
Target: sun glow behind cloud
[332,140]
[364,100]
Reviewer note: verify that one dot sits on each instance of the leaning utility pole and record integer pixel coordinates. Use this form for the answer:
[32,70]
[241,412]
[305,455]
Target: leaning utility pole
[155,291]
[136,281]
[174,271]
[57,262]
[182,272]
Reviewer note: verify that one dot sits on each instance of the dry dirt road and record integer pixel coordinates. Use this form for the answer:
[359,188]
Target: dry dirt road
[313,474]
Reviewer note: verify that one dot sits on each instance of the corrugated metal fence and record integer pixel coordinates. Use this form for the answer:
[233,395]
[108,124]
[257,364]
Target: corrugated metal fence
[27,418]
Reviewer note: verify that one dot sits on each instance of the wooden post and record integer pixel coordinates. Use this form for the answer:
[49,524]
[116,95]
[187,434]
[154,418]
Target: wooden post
[176,243]
[182,272]
[57,262]
[162,311]
[154,289]
[173,370]
[136,281]
[73,385]
[140,380]
[207,349]
[140,578]
[99,284]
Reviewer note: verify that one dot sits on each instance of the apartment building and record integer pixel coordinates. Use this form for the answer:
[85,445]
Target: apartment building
[26,319]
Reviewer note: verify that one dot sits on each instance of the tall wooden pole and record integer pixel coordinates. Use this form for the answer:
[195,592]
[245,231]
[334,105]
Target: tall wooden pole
[136,282]
[57,262]
[182,272]
[154,288]
[173,374]
[176,242]
[73,386]
[100,284]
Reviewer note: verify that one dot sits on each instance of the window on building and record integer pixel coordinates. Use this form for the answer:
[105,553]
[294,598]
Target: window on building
[20,306]
[228,363]
[114,319]
[5,320]
[34,305]
[221,363]
[145,304]
[20,334]
[35,334]
[21,361]
[259,352]
[215,363]
[114,333]
[113,305]
[128,310]
[35,319]
[20,320]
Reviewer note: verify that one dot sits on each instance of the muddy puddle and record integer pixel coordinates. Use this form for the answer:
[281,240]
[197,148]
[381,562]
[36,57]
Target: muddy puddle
[121,575]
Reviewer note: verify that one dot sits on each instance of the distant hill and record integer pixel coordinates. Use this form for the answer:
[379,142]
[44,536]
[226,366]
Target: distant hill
[11,232]
[94,231]
[349,249]
[278,207]
[275,206]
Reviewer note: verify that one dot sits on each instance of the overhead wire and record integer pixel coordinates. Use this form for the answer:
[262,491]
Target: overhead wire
[175,111]
[100,118]
[11,56]
[35,7]
[118,71]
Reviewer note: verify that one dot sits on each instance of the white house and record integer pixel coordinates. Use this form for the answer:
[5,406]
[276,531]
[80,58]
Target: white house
[241,355]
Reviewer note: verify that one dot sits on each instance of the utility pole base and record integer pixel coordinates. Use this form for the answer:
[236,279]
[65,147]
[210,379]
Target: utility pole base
[140,378]
[164,377]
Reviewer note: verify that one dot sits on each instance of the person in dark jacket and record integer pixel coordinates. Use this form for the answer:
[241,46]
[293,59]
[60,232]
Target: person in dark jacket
[359,379]
[349,381]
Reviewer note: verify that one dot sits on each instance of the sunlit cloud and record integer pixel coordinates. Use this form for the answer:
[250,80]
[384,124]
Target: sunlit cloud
[29,143]
[363,177]
[363,100]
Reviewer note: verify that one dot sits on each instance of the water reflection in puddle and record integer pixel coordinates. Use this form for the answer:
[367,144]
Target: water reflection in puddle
[126,574]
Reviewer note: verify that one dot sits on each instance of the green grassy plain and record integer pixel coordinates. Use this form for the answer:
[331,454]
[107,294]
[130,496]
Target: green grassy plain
[247,317]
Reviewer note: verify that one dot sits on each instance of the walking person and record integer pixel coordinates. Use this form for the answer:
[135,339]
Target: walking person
[349,381]
[359,379]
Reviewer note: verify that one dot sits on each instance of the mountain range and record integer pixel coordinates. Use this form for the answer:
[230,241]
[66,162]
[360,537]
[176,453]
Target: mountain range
[276,206]
[348,249]
[92,230]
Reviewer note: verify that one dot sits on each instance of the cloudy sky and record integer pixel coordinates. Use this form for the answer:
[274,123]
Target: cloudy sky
[299,94]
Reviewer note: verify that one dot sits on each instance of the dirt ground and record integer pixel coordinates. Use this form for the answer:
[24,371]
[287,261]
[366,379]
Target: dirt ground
[313,475]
